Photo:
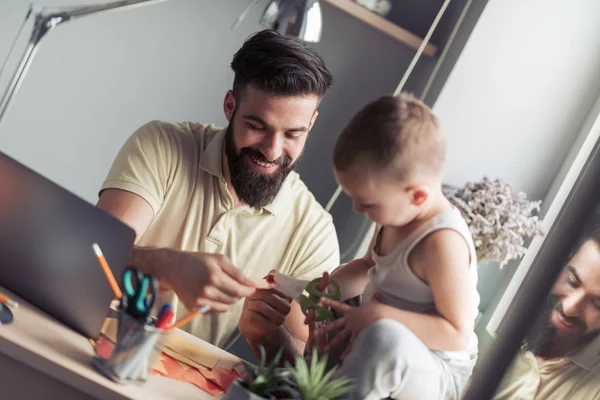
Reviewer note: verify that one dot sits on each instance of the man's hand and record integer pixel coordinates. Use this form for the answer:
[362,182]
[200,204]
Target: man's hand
[263,313]
[198,279]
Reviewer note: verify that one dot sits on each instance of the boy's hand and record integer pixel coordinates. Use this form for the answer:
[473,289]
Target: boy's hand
[353,321]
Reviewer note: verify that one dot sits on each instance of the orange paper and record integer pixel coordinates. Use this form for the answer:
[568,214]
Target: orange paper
[221,376]
[213,381]
[175,369]
[195,377]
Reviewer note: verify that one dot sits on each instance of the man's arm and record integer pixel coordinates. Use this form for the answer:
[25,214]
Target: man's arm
[130,208]
[290,335]
[197,279]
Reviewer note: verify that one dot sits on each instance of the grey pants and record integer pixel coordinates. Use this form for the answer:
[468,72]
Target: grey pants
[388,360]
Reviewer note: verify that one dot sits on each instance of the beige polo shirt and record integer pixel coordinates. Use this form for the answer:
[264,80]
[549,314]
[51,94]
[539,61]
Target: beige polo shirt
[177,169]
[575,377]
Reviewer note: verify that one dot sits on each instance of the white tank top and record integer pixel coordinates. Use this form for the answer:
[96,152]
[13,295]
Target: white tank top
[401,288]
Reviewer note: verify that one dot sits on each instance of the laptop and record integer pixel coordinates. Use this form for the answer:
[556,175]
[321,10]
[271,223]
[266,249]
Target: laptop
[46,255]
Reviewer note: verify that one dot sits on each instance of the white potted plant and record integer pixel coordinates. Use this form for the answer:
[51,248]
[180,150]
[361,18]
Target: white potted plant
[500,218]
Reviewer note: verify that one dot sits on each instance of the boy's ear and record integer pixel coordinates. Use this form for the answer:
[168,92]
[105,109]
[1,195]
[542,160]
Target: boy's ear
[418,196]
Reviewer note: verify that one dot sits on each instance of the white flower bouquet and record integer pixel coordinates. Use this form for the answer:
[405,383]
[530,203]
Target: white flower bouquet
[500,218]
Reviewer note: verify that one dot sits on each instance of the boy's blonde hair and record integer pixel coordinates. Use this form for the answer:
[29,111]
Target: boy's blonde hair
[395,134]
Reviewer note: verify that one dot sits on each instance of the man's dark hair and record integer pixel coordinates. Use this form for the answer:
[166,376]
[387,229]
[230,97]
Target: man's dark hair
[279,64]
[591,232]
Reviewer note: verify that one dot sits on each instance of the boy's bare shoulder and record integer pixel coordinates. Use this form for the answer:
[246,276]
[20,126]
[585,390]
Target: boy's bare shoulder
[443,238]
[443,248]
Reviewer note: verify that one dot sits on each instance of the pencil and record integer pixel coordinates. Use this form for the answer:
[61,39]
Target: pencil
[188,318]
[107,272]
[4,299]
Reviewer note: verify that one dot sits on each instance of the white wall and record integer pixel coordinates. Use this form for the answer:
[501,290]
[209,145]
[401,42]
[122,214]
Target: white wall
[520,91]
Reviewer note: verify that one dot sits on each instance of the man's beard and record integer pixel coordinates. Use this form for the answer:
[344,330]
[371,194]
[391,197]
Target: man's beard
[253,188]
[542,335]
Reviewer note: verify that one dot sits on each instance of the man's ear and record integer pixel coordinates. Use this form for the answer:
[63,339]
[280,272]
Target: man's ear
[229,105]
[312,120]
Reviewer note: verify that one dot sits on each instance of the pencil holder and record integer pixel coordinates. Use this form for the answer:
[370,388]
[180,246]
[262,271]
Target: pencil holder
[137,347]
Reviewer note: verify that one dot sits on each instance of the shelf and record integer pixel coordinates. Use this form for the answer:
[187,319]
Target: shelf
[383,25]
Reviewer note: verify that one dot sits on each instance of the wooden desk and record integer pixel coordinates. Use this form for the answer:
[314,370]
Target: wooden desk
[41,358]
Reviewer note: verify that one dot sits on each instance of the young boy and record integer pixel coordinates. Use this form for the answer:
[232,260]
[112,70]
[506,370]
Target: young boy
[413,336]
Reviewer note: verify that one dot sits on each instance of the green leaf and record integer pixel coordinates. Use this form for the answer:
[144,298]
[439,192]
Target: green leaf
[266,380]
[314,382]
[263,356]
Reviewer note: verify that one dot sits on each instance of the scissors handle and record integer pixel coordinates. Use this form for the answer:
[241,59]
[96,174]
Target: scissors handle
[140,291]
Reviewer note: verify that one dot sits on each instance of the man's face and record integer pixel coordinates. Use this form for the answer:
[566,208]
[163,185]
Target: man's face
[578,290]
[572,313]
[265,139]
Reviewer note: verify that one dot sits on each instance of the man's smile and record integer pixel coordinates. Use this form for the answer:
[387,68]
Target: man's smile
[264,166]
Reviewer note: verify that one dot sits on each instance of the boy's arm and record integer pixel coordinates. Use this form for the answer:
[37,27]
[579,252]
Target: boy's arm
[444,256]
[353,276]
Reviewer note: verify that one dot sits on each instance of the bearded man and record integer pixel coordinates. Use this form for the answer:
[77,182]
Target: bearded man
[559,359]
[215,209]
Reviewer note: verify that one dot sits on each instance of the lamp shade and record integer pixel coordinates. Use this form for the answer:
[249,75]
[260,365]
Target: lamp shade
[299,18]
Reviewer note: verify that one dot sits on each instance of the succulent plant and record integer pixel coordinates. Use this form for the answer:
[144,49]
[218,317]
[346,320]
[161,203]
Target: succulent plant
[313,382]
[266,381]
[499,217]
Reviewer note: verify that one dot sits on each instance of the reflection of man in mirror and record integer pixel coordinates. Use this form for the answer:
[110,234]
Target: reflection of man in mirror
[559,359]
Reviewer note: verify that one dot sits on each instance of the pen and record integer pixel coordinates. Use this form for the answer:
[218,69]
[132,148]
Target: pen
[107,272]
[164,308]
[165,318]
[4,299]
[188,318]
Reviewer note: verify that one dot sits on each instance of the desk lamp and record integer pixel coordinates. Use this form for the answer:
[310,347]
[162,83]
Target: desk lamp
[301,18]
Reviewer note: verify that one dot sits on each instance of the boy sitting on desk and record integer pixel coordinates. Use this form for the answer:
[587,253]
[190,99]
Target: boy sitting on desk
[413,337]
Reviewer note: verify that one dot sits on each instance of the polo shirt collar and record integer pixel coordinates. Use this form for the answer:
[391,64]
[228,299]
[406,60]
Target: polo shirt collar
[211,161]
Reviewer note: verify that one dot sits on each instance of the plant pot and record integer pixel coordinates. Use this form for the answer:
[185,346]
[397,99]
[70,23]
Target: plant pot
[239,391]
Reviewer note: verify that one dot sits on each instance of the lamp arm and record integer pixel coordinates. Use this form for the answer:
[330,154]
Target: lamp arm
[44,23]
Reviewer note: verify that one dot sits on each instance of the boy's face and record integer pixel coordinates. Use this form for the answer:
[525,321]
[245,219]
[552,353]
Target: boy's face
[384,200]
